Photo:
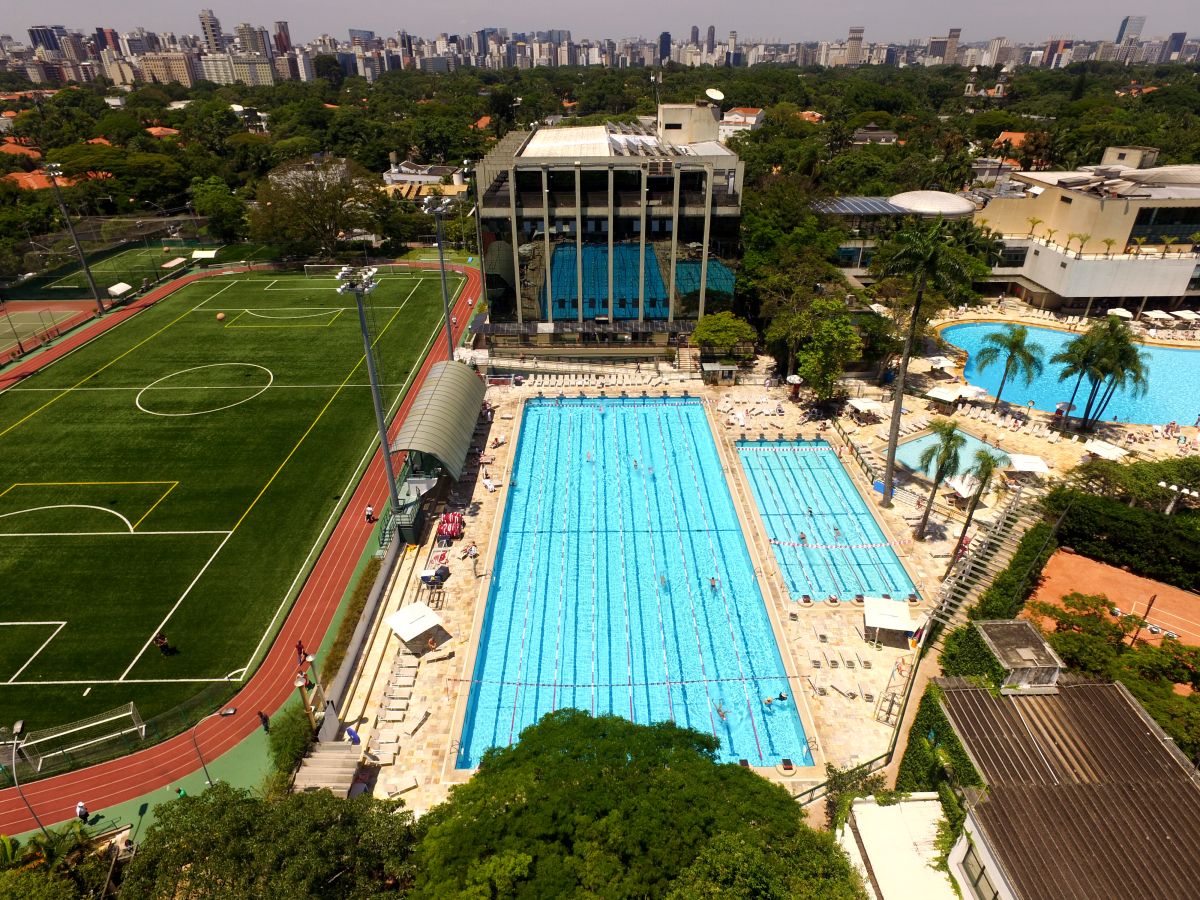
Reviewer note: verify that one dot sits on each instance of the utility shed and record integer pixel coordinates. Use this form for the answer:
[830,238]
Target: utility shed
[1031,663]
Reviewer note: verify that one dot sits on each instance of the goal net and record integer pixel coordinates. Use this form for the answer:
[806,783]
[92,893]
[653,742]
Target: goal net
[330,271]
[65,744]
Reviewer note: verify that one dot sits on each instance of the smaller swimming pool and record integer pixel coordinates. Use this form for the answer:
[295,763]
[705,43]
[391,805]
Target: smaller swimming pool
[908,453]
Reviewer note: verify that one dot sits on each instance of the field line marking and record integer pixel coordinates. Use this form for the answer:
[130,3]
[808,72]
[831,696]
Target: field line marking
[126,681]
[61,626]
[111,362]
[24,534]
[33,509]
[231,283]
[182,597]
[355,476]
[155,506]
[235,318]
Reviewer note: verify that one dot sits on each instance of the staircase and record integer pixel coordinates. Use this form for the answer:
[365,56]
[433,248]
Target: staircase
[331,765]
[989,556]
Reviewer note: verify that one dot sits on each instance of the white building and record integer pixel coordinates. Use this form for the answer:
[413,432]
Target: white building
[740,118]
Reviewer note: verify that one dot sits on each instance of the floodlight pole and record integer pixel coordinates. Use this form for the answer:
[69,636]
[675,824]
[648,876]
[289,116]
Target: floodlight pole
[16,764]
[437,210]
[361,282]
[53,170]
[224,713]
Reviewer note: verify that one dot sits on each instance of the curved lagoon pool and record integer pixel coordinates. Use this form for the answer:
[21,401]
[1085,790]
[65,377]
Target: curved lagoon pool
[1173,374]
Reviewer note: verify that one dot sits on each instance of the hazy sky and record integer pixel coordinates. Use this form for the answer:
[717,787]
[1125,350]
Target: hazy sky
[894,20]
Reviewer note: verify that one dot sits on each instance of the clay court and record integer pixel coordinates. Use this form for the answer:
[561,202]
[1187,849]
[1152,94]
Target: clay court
[1174,609]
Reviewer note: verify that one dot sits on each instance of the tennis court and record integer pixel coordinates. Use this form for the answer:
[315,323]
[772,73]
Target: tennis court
[177,474]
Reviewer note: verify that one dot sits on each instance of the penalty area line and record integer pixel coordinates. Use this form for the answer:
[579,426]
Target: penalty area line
[61,626]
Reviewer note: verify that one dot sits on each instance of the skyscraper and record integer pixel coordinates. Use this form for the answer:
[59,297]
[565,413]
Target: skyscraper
[106,39]
[1173,46]
[695,41]
[854,46]
[710,44]
[952,46]
[1131,28]
[283,37]
[45,37]
[664,47]
[210,30]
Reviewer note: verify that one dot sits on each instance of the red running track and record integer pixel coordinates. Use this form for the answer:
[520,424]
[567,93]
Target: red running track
[271,685]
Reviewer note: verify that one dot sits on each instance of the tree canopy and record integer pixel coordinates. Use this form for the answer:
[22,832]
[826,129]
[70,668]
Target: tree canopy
[592,807]
[722,333]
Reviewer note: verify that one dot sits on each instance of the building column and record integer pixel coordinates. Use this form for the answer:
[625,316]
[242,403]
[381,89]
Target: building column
[611,203]
[642,247]
[708,197]
[674,242]
[512,234]
[1141,308]
[546,242]
[579,238]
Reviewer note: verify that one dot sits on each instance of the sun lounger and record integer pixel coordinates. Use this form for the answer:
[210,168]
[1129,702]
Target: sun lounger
[401,785]
[416,718]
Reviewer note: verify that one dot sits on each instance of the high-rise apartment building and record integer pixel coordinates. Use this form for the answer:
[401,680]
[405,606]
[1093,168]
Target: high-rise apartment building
[1131,28]
[106,39]
[951,55]
[165,68]
[854,46]
[695,41]
[710,42]
[664,47]
[362,37]
[44,37]
[210,30]
[1174,46]
[283,37]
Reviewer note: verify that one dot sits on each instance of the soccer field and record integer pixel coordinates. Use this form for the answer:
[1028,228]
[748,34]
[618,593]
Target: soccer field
[177,474]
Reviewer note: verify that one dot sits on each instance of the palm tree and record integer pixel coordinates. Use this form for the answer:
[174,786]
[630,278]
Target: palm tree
[984,468]
[1072,235]
[1034,222]
[1049,234]
[1167,241]
[1116,362]
[1138,242]
[1021,357]
[1195,239]
[926,255]
[1078,360]
[942,457]
[1083,239]
[1108,245]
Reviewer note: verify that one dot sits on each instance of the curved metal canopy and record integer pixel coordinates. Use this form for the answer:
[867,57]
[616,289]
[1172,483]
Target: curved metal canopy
[442,420]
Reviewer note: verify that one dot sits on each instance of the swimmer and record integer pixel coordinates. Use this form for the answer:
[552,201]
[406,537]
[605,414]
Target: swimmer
[782,698]
[712,583]
[635,463]
[767,701]
[803,538]
[589,456]
[810,512]
[721,713]
[662,579]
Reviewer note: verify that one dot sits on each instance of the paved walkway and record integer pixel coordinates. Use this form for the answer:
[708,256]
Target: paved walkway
[140,773]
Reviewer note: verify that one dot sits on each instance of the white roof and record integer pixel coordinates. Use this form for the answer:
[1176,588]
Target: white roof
[1026,462]
[901,846]
[204,254]
[1104,449]
[119,289]
[880,309]
[864,405]
[586,140]
[412,621]
[173,263]
[933,203]
[947,393]
[972,390]
[886,613]
[963,485]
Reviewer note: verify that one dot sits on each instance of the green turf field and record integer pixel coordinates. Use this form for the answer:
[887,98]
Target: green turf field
[178,473]
[129,266]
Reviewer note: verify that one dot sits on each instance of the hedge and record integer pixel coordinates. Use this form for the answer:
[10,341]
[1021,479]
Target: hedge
[933,755]
[354,611]
[1164,548]
[1012,587]
[290,737]
[965,655]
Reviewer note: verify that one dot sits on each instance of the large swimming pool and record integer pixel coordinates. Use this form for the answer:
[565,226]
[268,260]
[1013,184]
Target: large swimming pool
[825,539]
[617,522]
[1174,376]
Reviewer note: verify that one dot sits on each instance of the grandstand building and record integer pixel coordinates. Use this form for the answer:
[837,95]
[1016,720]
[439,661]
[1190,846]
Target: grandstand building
[617,234]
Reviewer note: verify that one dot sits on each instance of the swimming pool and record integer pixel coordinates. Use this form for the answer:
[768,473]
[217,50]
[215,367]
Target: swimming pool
[618,516]
[1173,373]
[825,539]
[908,453]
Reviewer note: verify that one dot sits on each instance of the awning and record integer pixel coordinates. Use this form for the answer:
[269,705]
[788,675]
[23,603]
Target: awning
[204,254]
[972,391]
[942,362]
[174,263]
[1025,462]
[963,485]
[120,289]
[946,393]
[863,405]
[891,615]
[1186,314]
[1156,314]
[443,417]
[1120,313]
[412,621]
[1104,449]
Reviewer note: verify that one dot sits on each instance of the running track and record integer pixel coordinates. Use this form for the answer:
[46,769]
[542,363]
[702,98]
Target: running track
[271,685]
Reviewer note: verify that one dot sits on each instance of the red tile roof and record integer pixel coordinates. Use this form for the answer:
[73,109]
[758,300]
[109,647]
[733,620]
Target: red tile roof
[14,147]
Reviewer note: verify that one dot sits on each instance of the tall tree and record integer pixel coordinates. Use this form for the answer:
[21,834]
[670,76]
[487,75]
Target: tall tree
[311,206]
[225,211]
[939,461]
[1022,357]
[1077,360]
[832,343]
[722,333]
[982,470]
[925,254]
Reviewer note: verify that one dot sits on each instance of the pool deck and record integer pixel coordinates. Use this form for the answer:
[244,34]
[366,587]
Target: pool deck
[841,730]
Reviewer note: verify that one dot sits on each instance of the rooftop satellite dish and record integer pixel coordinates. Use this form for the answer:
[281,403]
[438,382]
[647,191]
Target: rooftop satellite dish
[714,94]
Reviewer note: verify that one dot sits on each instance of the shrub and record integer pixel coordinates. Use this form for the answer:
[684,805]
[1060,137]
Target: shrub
[354,611]
[291,736]
[965,655]
[1012,587]
[933,755]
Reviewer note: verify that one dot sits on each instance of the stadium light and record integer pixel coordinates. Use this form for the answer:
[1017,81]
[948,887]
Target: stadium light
[54,171]
[361,282]
[300,682]
[221,713]
[438,210]
[18,727]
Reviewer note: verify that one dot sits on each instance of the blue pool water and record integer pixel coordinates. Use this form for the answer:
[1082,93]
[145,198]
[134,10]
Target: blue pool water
[1174,376]
[836,550]
[601,596]
[908,453]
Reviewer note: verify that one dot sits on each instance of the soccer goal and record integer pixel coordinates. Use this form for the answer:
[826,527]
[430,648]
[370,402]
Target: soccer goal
[53,747]
[330,271]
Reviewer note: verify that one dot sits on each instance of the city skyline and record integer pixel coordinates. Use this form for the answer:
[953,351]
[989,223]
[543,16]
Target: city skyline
[757,21]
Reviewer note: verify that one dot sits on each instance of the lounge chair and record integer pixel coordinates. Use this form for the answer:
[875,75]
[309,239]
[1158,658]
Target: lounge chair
[416,718]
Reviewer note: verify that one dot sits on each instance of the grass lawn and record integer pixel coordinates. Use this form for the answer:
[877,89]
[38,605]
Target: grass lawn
[178,473]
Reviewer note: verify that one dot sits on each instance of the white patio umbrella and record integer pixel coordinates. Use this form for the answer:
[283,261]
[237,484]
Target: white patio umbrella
[1120,313]
[1157,314]
[941,362]
[1186,314]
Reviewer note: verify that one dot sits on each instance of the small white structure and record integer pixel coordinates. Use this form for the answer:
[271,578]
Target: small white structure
[415,624]
[895,847]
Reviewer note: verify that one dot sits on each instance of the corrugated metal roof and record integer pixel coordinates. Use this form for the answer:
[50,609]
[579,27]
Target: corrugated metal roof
[860,206]
[443,417]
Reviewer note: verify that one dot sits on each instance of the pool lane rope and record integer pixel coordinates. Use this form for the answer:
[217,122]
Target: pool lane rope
[595,462]
[562,567]
[753,474]
[813,546]
[721,590]
[880,568]
[662,433]
[533,557]
[652,532]
[620,461]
